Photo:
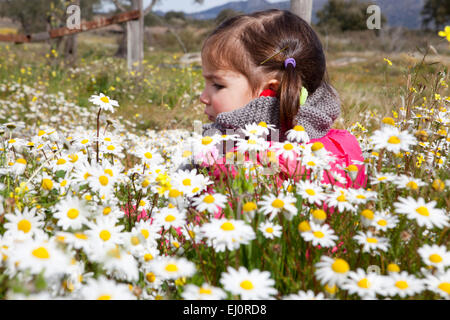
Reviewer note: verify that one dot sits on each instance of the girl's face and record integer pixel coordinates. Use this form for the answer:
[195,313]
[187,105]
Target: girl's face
[224,91]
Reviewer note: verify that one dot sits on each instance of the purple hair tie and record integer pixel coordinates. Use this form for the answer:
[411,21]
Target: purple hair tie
[290,61]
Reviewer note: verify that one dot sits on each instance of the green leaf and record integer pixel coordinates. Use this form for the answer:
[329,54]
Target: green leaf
[303,96]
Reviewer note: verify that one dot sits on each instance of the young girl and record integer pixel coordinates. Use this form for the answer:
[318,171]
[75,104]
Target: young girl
[255,67]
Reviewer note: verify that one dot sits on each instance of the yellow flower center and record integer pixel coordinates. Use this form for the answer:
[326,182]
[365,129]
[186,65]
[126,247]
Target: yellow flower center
[412,185]
[388,120]
[105,99]
[206,140]
[247,285]
[319,214]
[341,198]
[402,285]
[278,203]
[249,206]
[145,233]
[423,211]
[111,147]
[299,128]
[84,141]
[262,124]
[208,199]
[174,193]
[170,218]
[251,141]
[382,222]
[435,258]
[392,267]
[205,291]
[311,163]
[269,230]
[148,155]
[394,140]
[41,253]
[171,267]
[104,297]
[318,234]
[61,161]
[103,180]
[340,266]
[364,283]
[72,213]
[81,236]
[135,241]
[21,161]
[47,184]
[304,226]
[227,226]
[288,147]
[106,211]
[445,286]
[105,235]
[187,182]
[24,225]
[372,240]
[148,257]
[311,192]
[316,146]
[150,277]
[368,214]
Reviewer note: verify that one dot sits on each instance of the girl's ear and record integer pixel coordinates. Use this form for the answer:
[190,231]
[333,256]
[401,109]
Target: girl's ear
[272,84]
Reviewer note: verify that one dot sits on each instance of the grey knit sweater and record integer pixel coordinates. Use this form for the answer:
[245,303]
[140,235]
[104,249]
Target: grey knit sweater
[317,115]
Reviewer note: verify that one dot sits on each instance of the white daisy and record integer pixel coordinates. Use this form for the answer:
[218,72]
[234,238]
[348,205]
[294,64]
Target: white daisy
[298,134]
[204,292]
[288,150]
[392,139]
[71,213]
[272,205]
[104,232]
[253,285]
[403,285]
[424,213]
[104,102]
[439,283]
[365,285]
[104,289]
[434,255]
[210,202]
[172,268]
[371,243]
[24,225]
[270,230]
[383,221]
[305,295]
[312,192]
[340,200]
[169,218]
[332,271]
[321,235]
[225,234]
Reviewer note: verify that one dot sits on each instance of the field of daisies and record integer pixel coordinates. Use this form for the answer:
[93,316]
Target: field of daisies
[91,209]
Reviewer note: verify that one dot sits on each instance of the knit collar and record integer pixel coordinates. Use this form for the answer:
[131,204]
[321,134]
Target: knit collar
[317,115]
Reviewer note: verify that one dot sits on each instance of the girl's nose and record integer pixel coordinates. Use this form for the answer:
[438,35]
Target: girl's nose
[203,98]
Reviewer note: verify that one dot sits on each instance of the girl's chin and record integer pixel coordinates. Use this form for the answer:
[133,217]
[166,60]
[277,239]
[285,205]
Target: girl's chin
[211,118]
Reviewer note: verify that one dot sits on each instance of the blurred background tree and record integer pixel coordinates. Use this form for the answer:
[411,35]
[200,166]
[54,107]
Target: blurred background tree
[226,14]
[437,11]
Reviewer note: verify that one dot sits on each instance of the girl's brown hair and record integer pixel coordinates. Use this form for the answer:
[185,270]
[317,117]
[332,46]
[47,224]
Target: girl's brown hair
[244,42]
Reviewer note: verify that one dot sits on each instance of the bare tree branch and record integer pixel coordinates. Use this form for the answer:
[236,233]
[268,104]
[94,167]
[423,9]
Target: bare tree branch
[150,7]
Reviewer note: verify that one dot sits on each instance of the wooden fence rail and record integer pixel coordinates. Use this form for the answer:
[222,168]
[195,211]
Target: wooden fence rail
[61,32]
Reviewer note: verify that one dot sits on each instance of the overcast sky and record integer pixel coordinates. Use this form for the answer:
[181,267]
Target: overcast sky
[190,6]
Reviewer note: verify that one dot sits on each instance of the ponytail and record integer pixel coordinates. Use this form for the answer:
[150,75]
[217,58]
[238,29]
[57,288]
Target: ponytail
[289,96]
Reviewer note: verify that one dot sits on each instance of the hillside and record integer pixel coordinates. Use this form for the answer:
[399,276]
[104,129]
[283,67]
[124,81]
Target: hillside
[399,13]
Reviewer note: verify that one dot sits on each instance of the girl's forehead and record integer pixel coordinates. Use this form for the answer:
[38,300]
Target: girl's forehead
[219,74]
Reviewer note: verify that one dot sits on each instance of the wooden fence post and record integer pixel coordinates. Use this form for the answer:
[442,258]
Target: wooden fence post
[135,39]
[302,8]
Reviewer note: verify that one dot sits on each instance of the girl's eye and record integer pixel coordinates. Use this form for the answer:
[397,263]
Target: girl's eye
[218,86]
